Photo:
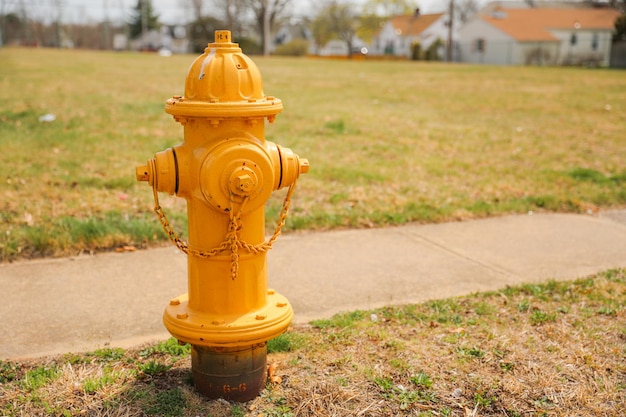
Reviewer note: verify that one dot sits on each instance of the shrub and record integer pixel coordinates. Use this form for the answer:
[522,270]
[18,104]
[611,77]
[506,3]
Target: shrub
[296,47]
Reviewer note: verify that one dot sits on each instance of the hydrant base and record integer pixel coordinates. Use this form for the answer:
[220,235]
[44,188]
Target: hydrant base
[235,374]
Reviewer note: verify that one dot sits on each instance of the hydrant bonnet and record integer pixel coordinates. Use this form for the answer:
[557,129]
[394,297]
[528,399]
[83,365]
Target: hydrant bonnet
[224,82]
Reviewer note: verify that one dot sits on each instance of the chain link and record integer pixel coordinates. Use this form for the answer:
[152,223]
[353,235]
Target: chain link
[232,242]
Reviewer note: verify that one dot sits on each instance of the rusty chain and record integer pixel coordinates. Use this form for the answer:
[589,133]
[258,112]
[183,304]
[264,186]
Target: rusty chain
[232,242]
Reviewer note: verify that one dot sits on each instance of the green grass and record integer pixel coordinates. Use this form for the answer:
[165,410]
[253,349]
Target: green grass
[91,385]
[40,377]
[286,342]
[154,368]
[170,347]
[388,143]
[108,354]
[493,359]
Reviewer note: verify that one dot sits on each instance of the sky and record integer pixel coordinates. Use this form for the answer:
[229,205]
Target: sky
[169,11]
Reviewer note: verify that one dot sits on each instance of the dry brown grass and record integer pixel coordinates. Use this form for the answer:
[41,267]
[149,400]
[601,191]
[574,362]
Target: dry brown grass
[554,349]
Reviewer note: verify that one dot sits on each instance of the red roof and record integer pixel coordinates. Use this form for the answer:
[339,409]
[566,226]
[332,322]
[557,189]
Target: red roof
[535,24]
[413,25]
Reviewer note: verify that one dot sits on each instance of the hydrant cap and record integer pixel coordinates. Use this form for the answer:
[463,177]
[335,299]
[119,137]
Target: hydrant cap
[223,82]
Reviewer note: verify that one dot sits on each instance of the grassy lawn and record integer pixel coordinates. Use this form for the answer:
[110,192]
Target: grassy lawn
[553,349]
[388,143]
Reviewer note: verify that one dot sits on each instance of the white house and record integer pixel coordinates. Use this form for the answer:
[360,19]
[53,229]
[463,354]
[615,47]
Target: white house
[400,33]
[539,36]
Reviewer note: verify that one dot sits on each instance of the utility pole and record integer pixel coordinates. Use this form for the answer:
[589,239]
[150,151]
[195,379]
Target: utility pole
[266,27]
[27,34]
[58,5]
[144,22]
[105,25]
[1,22]
[449,45]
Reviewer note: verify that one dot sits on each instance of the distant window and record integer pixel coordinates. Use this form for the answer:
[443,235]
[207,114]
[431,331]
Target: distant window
[479,45]
[594,42]
[573,39]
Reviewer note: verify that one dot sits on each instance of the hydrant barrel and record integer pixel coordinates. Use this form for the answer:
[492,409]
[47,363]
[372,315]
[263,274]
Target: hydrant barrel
[226,172]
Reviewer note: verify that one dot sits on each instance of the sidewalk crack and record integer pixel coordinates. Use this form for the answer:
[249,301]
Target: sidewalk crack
[497,269]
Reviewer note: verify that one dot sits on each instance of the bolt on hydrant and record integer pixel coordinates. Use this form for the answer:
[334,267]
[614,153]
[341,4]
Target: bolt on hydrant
[226,171]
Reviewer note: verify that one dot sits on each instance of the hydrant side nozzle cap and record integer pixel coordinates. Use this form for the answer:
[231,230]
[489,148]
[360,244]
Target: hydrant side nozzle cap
[143,173]
[304,165]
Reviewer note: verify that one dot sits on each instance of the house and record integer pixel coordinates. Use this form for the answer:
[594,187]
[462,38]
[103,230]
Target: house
[400,34]
[168,38]
[174,38]
[539,36]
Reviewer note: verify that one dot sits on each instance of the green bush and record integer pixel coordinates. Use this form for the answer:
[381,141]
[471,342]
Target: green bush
[432,53]
[416,51]
[296,47]
[249,46]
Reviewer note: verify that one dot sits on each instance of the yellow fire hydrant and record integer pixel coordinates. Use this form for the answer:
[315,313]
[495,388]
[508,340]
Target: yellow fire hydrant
[226,171]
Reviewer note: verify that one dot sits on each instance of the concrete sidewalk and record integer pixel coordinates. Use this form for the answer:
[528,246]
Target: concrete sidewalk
[88,302]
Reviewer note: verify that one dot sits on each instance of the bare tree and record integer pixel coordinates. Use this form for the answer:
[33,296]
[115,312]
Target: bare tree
[28,26]
[57,7]
[232,13]
[618,5]
[2,3]
[320,27]
[369,25]
[336,20]
[388,8]
[465,9]
[203,25]
[196,6]
[267,13]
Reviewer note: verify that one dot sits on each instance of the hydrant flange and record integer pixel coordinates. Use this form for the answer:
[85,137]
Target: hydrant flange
[212,330]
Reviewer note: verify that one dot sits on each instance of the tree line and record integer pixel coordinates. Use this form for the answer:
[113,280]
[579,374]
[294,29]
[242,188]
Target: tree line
[253,23]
